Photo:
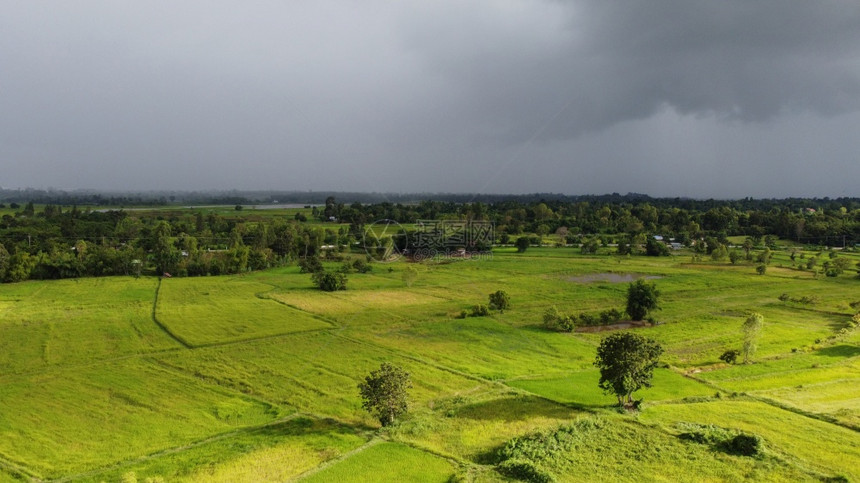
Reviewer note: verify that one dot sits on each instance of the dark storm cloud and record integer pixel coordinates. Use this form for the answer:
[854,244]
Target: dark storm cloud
[581,96]
[608,62]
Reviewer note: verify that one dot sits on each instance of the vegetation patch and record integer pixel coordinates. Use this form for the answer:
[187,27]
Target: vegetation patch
[729,441]
[217,310]
[610,277]
[387,462]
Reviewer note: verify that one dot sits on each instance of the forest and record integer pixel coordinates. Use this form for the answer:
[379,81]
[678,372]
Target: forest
[54,241]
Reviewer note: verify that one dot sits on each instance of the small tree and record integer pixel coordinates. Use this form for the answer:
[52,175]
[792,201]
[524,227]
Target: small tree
[626,362]
[499,300]
[734,256]
[590,246]
[310,265]
[764,257]
[410,274]
[641,298]
[361,266]
[522,244]
[654,248]
[720,253]
[384,393]
[752,329]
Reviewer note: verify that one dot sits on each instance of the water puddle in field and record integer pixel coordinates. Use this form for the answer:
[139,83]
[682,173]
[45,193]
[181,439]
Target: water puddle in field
[610,277]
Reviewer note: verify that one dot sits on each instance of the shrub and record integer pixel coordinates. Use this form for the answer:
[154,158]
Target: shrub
[704,434]
[610,316]
[729,441]
[567,323]
[410,274]
[730,356]
[329,281]
[588,320]
[310,265]
[735,256]
[525,471]
[555,320]
[499,300]
[362,266]
[480,310]
[550,318]
[743,445]
[522,244]
[524,456]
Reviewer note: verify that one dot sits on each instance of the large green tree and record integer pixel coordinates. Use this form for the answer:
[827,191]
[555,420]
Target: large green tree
[384,393]
[626,362]
[642,297]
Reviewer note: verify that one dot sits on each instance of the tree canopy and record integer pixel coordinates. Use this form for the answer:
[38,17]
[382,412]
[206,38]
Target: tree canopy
[626,362]
[641,298]
[384,393]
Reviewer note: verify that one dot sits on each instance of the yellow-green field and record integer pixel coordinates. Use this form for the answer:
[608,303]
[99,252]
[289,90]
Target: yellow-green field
[253,377]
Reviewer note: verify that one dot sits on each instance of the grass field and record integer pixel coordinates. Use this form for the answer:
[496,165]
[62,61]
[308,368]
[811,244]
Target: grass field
[253,377]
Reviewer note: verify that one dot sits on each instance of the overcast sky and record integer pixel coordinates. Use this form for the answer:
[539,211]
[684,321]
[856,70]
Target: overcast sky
[701,98]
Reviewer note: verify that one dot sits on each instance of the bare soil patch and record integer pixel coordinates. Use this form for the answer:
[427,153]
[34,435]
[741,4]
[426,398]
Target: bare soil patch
[624,324]
[610,277]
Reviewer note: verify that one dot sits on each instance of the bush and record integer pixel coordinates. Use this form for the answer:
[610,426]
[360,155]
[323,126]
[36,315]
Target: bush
[524,456]
[743,445]
[310,265]
[730,356]
[555,320]
[525,471]
[329,281]
[499,300]
[588,320]
[654,248]
[522,244]
[610,316]
[704,434]
[362,266]
[480,310]
[735,256]
[729,441]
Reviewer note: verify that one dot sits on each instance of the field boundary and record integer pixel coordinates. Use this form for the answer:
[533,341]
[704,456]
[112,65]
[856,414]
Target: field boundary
[16,468]
[161,325]
[373,442]
[752,396]
[180,449]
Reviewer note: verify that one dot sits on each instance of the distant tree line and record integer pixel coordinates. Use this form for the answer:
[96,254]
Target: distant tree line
[629,221]
[66,243]
[62,241]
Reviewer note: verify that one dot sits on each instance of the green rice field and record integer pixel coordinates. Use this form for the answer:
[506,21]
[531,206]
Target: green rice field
[254,377]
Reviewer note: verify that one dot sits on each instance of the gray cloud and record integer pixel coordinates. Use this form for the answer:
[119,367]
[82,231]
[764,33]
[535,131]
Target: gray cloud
[511,96]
